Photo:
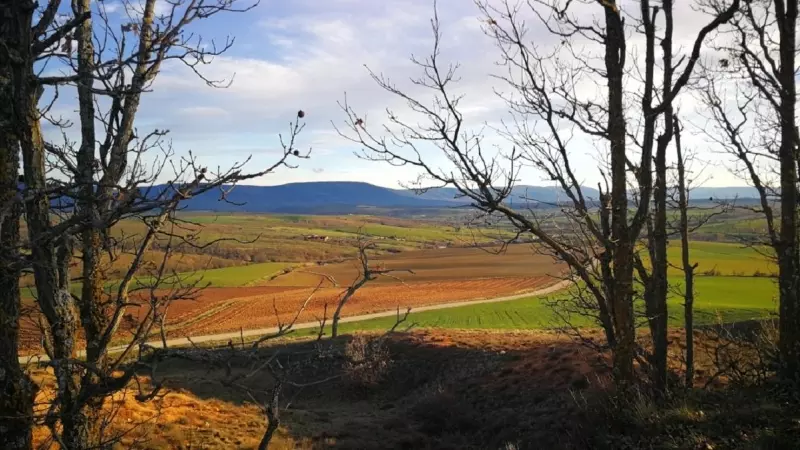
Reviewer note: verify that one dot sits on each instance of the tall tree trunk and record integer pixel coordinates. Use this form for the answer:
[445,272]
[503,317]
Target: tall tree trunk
[273,416]
[17,390]
[337,314]
[50,253]
[688,267]
[622,301]
[787,252]
[94,303]
[93,315]
[657,309]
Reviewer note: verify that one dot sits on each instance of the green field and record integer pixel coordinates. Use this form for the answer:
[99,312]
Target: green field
[723,259]
[724,299]
[237,276]
[732,293]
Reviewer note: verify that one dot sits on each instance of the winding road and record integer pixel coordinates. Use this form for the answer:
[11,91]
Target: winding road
[235,335]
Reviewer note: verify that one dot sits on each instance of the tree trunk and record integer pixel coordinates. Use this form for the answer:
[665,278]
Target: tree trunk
[94,303]
[338,313]
[622,301]
[787,252]
[273,416]
[17,390]
[94,317]
[688,268]
[51,253]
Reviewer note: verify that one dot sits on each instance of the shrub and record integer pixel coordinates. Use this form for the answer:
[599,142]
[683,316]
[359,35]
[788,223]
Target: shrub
[367,360]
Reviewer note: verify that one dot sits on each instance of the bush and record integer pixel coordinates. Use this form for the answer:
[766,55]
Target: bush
[367,360]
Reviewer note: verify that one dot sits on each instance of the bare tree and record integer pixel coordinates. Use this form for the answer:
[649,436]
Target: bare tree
[750,96]
[74,195]
[688,267]
[599,239]
[366,273]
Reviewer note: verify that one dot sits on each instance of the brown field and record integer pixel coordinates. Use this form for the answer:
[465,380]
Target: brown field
[438,265]
[192,318]
[440,276]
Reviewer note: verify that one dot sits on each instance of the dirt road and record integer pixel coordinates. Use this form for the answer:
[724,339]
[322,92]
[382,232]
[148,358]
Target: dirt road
[222,337]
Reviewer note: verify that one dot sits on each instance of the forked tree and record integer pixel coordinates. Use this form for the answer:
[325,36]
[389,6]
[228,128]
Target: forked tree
[73,195]
[750,95]
[630,121]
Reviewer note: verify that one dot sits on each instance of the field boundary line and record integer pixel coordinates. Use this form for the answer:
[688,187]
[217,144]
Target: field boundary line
[235,335]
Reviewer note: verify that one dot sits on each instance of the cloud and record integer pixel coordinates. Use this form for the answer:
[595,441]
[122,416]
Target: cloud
[203,111]
[306,54]
[311,56]
[110,7]
[135,8]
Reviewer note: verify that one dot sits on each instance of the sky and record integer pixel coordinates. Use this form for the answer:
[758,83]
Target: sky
[308,54]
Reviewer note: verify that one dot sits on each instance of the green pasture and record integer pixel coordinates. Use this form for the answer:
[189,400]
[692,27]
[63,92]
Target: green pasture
[725,299]
[723,259]
[236,276]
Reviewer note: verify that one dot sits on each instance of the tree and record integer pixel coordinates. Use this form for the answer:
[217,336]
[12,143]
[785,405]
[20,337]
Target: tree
[17,391]
[74,195]
[688,267]
[751,99]
[600,241]
[690,219]
[366,273]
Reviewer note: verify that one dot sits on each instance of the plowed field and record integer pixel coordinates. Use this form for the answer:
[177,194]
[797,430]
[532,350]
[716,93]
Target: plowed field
[440,276]
[260,310]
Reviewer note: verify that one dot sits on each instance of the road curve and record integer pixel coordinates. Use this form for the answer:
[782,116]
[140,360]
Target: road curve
[235,335]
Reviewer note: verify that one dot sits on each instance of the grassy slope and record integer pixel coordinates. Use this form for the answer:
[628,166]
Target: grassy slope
[237,276]
[724,258]
[726,298]
[225,277]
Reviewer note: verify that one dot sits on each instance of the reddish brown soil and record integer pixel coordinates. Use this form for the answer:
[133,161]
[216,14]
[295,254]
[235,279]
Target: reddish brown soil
[440,276]
[259,310]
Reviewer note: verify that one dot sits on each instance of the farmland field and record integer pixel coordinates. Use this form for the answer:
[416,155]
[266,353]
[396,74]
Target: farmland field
[252,296]
[733,281]
[725,291]
[719,299]
[440,276]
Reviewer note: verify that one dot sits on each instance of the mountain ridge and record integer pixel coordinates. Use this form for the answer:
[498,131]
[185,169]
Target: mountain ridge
[347,196]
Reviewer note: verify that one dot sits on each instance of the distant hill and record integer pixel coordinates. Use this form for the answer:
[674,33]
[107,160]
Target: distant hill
[320,197]
[522,194]
[332,197]
[724,193]
[550,195]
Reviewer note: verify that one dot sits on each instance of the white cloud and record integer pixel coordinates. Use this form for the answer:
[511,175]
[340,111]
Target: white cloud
[203,111]
[306,54]
[110,7]
[135,8]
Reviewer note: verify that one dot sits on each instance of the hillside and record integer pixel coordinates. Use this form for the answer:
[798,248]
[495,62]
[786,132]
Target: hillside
[336,197]
[521,194]
[320,197]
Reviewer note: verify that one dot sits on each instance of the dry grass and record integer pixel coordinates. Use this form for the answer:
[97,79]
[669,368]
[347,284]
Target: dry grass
[460,390]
